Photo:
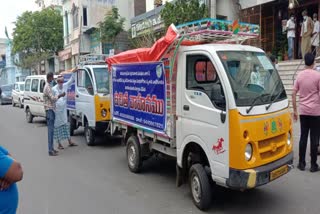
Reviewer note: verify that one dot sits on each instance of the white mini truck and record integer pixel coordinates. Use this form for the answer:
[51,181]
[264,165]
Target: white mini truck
[220,109]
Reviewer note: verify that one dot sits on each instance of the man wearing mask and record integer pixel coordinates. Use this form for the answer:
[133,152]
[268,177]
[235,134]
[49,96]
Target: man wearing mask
[61,125]
[306,33]
[50,105]
[315,34]
[291,34]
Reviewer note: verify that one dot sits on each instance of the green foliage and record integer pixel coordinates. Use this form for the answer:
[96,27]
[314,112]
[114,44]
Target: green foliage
[37,34]
[182,11]
[111,26]
[146,40]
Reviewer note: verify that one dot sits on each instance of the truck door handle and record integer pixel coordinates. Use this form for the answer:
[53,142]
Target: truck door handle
[77,95]
[186,108]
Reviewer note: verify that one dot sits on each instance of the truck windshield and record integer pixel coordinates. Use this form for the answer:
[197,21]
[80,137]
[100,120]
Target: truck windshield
[253,78]
[102,80]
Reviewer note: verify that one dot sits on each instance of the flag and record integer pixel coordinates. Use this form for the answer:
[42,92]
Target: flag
[235,27]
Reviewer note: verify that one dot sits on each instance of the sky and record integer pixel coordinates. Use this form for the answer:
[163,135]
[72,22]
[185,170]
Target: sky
[10,10]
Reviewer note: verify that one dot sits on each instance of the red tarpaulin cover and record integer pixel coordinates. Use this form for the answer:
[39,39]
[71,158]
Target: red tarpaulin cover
[154,53]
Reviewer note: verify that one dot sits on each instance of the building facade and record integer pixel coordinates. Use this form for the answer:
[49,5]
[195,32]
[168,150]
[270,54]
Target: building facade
[272,15]
[82,17]
[221,9]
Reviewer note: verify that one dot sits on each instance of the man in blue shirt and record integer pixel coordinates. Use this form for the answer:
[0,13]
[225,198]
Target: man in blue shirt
[10,173]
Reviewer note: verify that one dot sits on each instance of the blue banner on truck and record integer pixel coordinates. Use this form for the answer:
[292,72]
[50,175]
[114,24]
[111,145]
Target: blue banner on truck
[139,95]
[71,95]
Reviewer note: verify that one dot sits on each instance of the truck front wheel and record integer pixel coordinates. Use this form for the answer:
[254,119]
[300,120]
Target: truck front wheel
[134,154]
[200,186]
[89,135]
[72,125]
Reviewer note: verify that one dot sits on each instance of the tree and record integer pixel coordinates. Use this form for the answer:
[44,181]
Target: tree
[182,11]
[36,36]
[111,26]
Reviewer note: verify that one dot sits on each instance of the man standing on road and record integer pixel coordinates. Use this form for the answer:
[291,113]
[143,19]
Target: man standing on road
[61,125]
[291,34]
[10,173]
[308,84]
[50,105]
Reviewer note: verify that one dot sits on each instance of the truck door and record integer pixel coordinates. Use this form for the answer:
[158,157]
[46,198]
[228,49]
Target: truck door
[85,96]
[201,109]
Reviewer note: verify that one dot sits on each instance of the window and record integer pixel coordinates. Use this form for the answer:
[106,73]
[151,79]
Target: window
[85,16]
[67,23]
[202,76]
[21,87]
[16,87]
[85,81]
[28,83]
[42,84]
[252,75]
[34,85]
[76,18]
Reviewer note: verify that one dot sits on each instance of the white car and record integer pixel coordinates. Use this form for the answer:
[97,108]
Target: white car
[17,94]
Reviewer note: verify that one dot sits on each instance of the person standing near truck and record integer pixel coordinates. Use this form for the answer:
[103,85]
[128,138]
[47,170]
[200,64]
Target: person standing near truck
[61,124]
[307,84]
[49,105]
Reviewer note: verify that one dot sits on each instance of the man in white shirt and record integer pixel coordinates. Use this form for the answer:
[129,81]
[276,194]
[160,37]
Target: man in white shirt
[315,34]
[291,34]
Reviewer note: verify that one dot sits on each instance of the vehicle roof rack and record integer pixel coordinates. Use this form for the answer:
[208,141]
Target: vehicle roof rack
[218,31]
[93,59]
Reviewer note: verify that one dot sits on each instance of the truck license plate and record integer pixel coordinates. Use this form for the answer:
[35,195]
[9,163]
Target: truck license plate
[278,172]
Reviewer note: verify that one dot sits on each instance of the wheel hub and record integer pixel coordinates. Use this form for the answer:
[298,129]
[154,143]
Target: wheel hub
[131,155]
[195,187]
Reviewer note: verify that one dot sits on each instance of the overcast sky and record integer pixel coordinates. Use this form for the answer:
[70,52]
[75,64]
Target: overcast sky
[10,10]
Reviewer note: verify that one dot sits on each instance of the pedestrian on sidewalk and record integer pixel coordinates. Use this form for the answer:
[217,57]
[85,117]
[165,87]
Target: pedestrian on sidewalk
[307,85]
[61,124]
[291,34]
[306,33]
[49,105]
[10,173]
[315,35]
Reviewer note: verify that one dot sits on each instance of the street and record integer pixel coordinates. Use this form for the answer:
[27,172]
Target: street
[96,179]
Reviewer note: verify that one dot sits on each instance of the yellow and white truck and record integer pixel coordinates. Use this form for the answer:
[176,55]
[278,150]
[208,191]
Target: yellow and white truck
[219,108]
[89,98]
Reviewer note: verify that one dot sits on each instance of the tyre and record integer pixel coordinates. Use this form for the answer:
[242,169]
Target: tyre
[200,187]
[134,154]
[13,104]
[20,104]
[72,125]
[29,116]
[89,135]
[1,102]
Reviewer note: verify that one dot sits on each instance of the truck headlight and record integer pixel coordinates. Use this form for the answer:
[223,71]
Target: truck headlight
[289,139]
[248,152]
[103,112]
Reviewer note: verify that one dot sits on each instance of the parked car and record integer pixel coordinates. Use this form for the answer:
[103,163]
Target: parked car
[33,97]
[6,94]
[17,94]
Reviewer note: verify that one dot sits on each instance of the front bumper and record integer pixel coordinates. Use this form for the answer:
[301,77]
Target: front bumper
[102,126]
[251,178]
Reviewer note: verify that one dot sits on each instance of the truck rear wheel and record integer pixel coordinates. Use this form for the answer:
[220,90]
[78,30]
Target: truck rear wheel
[200,187]
[134,154]
[89,135]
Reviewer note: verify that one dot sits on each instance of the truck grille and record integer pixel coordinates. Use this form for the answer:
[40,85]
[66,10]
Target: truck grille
[272,147]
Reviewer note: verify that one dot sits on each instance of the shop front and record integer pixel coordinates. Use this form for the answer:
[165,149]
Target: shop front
[272,18]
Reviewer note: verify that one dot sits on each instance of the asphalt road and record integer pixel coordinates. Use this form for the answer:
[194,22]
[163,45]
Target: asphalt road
[83,180]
